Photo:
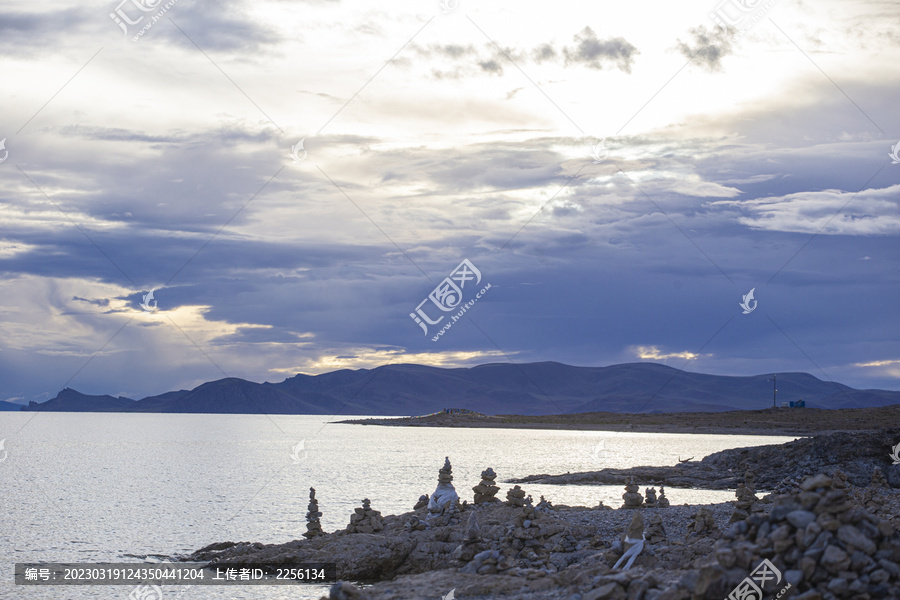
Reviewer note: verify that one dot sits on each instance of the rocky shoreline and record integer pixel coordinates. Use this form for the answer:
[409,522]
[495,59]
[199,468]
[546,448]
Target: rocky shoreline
[828,535]
[779,467]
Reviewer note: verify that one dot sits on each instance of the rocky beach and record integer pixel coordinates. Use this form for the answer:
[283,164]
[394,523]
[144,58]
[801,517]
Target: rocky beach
[816,518]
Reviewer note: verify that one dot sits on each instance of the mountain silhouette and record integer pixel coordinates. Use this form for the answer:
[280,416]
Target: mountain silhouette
[528,389]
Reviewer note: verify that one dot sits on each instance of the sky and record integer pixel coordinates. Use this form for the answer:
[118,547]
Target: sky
[300,184]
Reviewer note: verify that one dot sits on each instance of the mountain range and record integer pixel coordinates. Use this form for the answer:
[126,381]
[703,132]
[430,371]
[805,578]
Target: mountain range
[528,389]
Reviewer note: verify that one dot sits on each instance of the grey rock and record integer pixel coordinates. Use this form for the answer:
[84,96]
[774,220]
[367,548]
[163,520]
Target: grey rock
[834,559]
[793,576]
[800,518]
[852,536]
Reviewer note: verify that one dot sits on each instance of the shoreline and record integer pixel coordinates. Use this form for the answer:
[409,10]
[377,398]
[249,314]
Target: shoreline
[836,498]
[771,421]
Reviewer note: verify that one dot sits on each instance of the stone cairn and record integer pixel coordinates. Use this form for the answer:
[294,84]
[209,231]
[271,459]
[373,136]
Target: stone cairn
[655,533]
[839,480]
[824,545]
[650,499]
[422,502]
[566,543]
[313,526]
[415,524]
[544,505]
[632,495]
[365,520]
[486,490]
[444,494]
[878,478]
[703,524]
[471,544]
[746,502]
[526,536]
[515,496]
[663,502]
[633,536]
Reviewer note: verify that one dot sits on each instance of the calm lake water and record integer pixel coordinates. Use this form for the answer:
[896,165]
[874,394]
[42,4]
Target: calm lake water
[79,487]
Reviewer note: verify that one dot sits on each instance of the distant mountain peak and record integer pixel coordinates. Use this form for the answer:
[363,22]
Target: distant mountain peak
[496,388]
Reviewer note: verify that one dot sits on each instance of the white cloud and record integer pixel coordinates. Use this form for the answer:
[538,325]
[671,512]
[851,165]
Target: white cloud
[828,212]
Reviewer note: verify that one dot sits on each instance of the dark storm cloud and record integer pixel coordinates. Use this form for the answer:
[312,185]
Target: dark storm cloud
[707,47]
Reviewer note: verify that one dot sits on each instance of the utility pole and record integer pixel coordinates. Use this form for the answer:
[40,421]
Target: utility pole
[774,389]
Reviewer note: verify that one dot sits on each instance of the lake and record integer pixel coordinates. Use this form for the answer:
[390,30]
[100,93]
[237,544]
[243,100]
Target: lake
[96,487]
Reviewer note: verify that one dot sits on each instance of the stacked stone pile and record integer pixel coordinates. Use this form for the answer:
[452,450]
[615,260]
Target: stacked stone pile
[825,547]
[415,524]
[313,526]
[655,533]
[650,497]
[422,502]
[444,494]
[703,525]
[663,502]
[488,562]
[515,496]
[632,495]
[365,520]
[472,543]
[525,540]
[486,490]
[544,505]
[839,480]
[747,502]
[567,543]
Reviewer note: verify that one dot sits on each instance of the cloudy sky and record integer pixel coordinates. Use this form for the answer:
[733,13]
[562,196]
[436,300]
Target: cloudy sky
[621,174]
